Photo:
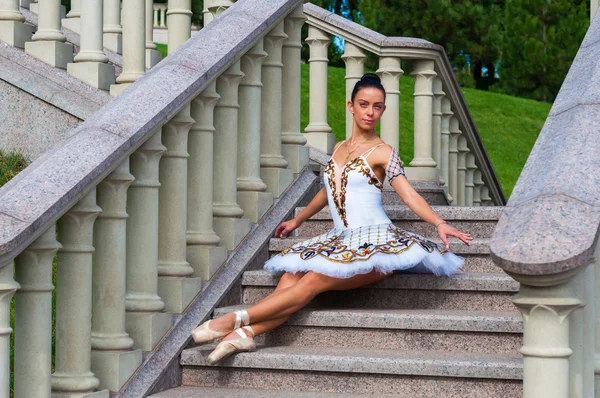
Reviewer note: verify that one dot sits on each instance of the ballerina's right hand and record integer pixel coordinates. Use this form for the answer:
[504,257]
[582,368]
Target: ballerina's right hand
[285,228]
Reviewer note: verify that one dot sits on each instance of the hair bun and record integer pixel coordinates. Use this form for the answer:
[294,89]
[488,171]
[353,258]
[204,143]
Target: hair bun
[371,76]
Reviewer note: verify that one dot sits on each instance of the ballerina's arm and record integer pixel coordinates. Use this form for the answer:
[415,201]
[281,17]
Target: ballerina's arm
[315,205]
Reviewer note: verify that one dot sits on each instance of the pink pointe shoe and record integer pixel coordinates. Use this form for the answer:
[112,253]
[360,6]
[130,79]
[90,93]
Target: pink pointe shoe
[229,347]
[204,334]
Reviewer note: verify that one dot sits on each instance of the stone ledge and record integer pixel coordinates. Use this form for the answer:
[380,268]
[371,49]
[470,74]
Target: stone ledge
[195,392]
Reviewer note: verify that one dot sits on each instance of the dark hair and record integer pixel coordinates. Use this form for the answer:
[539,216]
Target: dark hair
[367,80]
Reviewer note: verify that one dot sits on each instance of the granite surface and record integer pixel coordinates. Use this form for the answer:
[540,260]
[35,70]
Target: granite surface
[194,392]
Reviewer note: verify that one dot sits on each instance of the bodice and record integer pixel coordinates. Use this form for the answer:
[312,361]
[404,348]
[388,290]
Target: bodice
[354,194]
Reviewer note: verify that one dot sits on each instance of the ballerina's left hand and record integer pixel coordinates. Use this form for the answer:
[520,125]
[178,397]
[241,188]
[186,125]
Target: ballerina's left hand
[445,230]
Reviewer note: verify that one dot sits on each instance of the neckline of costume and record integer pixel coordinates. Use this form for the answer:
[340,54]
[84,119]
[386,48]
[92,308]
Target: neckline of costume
[342,168]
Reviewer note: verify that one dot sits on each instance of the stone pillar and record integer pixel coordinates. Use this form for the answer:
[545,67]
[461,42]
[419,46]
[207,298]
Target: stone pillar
[33,317]
[273,170]
[113,361]
[423,163]
[134,45]
[594,4]
[72,376]
[153,56]
[146,323]
[318,132]
[13,30]
[445,142]
[207,15]
[478,183]
[436,144]
[293,141]
[469,179]
[179,22]
[113,29]
[73,18]
[462,170]
[48,43]
[453,161]
[546,308]
[91,64]
[8,286]
[203,254]
[390,72]
[354,57]
[251,195]
[228,223]
[485,196]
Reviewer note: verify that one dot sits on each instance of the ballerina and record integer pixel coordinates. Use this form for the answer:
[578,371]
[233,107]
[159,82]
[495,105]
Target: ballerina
[363,247]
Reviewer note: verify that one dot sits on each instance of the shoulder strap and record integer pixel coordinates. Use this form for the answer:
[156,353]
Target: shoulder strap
[370,151]
[338,147]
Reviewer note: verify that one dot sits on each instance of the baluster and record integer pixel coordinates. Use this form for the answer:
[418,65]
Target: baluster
[155,12]
[72,374]
[453,161]
[318,132]
[163,17]
[13,30]
[445,143]
[203,254]
[218,7]
[8,286]
[354,57]
[134,45]
[48,43]
[113,361]
[436,145]
[273,166]
[33,317]
[485,196]
[478,182]
[73,19]
[390,72]
[462,169]
[469,179]
[292,140]
[179,22]
[146,323]
[91,64]
[113,30]
[423,162]
[207,14]
[153,56]
[251,189]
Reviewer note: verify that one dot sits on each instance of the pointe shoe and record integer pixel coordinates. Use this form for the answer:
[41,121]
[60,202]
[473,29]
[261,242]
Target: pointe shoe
[229,347]
[204,334]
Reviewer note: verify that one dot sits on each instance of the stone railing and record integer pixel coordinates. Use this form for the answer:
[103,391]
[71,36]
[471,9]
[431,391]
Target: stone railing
[143,202]
[547,239]
[447,147]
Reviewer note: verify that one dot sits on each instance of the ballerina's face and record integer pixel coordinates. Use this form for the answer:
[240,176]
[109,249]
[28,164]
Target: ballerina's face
[367,108]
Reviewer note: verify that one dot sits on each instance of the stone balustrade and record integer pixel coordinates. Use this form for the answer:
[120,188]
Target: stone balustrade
[447,147]
[128,192]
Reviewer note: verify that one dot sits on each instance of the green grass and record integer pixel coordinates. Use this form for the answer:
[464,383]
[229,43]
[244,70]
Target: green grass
[508,125]
[163,48]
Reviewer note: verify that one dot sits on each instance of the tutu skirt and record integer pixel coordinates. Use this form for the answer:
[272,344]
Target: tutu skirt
[346,252]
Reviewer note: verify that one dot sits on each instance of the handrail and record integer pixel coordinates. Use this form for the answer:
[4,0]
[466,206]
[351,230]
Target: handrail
[412,48]
[551,222]
[37,197]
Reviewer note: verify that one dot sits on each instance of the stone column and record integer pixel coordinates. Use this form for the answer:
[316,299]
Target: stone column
[203,254]
[354,57]
[134,45]
[179,22]
[153,56]
[390,72]
[113,361]
[453,161]
[48,43]
[594,4]
[33,317]
[72,375]
[318,132]
[228,223]
[251,193]
[207,15]
[91,64]
[485,196]
[469,179]
[273,170]
[146,323]
[113,29]
[436,144]
[13,30]
[462,170]
[73,18]
[8,286]
[478,183]
[423,164]
[293,141]
[445,142]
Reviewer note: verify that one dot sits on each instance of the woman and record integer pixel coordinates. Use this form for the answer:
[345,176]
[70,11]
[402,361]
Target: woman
[364,246]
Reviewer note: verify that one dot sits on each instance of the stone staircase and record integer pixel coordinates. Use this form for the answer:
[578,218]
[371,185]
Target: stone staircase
[411,335]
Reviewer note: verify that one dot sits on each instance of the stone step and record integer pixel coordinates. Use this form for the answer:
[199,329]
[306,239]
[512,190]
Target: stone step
[195,392]
[360,371]
[477,221]
[421,330]
[481,292]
